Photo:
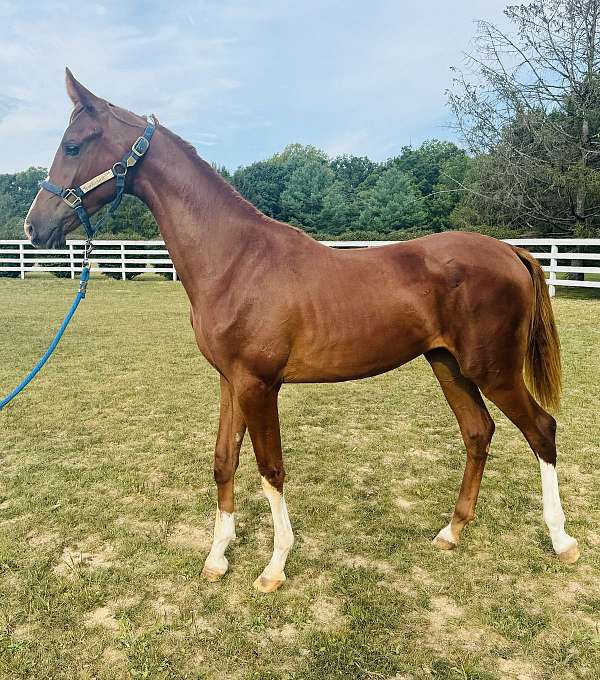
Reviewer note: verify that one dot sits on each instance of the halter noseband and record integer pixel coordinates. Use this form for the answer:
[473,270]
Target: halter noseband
[73,196]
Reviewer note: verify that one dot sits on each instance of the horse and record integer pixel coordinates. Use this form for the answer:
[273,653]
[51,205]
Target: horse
[270,305]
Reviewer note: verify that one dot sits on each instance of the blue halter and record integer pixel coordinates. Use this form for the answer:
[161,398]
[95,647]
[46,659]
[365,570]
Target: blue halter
[74,197]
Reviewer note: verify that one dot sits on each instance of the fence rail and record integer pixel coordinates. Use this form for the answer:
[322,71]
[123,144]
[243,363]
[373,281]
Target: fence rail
[125,259]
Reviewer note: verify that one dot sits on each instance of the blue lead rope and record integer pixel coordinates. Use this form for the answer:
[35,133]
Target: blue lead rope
[85,275]
[73,197]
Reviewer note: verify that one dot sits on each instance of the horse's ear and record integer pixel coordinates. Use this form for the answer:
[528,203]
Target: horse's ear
[79,94]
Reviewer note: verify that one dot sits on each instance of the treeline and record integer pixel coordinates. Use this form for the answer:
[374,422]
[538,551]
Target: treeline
[435,187]
[527,106]
[418,192]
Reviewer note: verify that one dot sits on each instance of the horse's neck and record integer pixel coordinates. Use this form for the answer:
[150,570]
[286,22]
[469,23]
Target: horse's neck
[205,224]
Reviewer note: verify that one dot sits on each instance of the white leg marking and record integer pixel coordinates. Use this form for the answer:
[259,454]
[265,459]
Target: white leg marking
[283,534]
[216,563]
[446,534]
[553,512]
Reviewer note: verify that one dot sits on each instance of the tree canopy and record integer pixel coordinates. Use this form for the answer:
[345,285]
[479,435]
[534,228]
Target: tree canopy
[528,107]
[345,196]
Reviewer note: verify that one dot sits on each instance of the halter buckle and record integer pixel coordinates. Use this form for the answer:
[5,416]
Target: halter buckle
[140,146]
[72,199]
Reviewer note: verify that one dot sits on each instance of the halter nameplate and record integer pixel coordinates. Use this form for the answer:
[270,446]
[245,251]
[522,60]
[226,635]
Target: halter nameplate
[97,181]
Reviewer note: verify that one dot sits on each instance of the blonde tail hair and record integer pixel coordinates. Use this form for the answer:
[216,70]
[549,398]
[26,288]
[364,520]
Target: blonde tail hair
[542,367]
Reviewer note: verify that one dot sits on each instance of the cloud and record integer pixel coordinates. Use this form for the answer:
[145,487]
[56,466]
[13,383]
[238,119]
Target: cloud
[238,78]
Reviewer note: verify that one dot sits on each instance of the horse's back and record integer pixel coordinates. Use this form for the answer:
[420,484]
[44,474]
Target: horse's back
[363,312]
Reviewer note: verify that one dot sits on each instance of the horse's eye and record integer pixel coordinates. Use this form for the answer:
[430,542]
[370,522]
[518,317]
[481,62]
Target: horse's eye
[72,150]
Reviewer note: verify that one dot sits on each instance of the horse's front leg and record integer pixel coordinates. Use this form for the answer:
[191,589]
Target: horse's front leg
[232,427]
[259,405]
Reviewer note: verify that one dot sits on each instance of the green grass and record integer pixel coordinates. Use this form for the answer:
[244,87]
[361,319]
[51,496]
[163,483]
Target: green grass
[107,502]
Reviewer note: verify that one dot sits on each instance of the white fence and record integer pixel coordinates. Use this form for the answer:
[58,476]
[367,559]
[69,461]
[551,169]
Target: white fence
[124,259]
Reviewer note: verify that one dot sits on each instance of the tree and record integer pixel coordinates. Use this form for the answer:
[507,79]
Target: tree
[530,108]
[17,191]
[352,170]
[340,210]
[393,203]
[435,167]
[262,183]
[133,219]
[302,199]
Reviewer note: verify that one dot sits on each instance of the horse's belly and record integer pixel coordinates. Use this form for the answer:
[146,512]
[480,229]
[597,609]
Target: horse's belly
[359,351]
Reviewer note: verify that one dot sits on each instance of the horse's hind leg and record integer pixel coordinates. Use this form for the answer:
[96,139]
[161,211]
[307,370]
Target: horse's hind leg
[539,428]
[477,429]
[227,451]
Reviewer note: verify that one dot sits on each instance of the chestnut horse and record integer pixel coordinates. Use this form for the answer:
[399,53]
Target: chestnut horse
[269,305]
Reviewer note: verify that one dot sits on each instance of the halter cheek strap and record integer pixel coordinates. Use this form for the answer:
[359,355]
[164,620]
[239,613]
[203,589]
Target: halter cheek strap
[73,197]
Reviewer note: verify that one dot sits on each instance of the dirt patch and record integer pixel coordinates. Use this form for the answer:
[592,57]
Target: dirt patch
[422,577]
[200,625]
[187,536]
[361,562]
[25,631]
[443,609]
[115,661]
[327,613]
[121,603]
[102,617]
[403,504]
[423,454]
[36,540]
[138,527]
[167,611]
[287,633]
[73,559]
[514,669]
[311,546]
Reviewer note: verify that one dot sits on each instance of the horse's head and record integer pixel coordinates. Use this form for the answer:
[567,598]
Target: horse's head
[94,139]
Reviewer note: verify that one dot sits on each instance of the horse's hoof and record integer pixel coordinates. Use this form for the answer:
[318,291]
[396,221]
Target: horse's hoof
[443,544]
[266,585]
[445,539]
[571,555]
[212,575]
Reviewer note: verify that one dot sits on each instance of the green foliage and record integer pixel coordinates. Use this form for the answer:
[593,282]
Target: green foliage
[302,198]
[340,208]
[353,170]
[528,106]
[132,217]
[393,203]
[348,197]
[17,192]
[262,184]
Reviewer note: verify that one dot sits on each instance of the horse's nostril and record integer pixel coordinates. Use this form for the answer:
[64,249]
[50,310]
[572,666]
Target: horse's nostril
[29,231]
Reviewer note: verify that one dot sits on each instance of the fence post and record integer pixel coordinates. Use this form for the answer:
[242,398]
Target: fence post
[123,269]
[174,272]
[22,260]
[553,263]
[72,260]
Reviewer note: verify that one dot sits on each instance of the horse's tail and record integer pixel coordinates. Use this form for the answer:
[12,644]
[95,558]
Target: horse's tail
[542,361]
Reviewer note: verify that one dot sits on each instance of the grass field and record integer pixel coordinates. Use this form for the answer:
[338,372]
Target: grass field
[107,503]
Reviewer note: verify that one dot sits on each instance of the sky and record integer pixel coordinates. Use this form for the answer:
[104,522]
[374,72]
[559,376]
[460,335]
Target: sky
[239,79]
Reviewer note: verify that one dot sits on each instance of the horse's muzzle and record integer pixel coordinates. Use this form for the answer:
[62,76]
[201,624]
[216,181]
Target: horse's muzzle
[54,237]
